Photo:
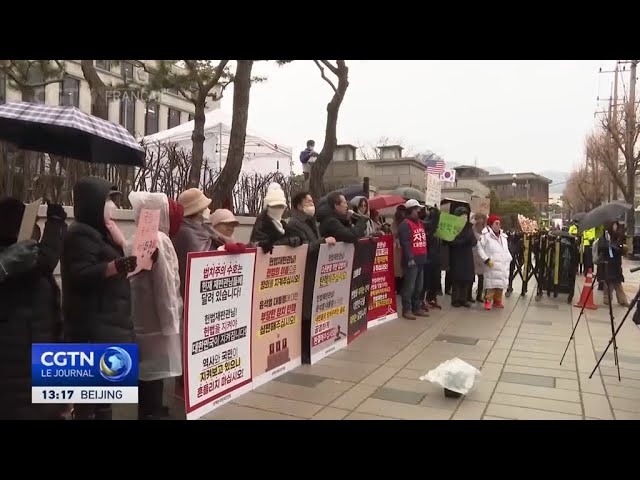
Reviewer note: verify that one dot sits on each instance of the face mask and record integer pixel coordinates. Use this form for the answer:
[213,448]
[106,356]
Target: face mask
[205,215]
[275,213]
[309,211]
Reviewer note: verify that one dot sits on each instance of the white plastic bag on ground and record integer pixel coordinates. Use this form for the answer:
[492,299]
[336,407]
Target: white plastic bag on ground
[455,375]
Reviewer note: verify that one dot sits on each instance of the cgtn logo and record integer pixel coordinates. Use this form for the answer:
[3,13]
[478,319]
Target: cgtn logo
[84,373]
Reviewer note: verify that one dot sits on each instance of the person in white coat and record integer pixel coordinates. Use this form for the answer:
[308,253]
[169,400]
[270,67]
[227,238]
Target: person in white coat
[157,312]
[493,249]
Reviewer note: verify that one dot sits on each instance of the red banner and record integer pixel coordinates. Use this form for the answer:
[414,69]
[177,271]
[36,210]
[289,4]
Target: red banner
[382,295]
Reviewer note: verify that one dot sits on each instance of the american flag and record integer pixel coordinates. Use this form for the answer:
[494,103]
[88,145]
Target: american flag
[435,167]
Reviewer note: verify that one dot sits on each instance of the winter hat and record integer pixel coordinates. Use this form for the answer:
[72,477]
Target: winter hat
[274,197]
[176,212]
[222,215]
[492,219]
[193,201]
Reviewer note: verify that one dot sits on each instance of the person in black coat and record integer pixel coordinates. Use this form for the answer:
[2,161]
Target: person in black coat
[433,268]
[302,224]
[29,307]
[611,248]
[269,229]
[95,289]
[461,266]
[335,220]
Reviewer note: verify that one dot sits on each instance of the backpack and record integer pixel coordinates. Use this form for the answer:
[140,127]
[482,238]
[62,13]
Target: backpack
[305,155]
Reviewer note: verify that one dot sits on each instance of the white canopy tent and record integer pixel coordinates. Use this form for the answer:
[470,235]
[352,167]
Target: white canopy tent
[260,155]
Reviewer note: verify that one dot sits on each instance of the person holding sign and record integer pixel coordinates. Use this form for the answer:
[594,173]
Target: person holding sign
[95,289]
[156,309]
[269,229]
[493,249]
[461,261]
[413,243]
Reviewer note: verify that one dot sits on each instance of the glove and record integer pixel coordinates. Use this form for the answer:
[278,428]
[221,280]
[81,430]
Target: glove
[295,241]
[126,264]
[56,211]
[18,258]
[489,263]
[154,255]
[232,247]
[267,247]
[412,263]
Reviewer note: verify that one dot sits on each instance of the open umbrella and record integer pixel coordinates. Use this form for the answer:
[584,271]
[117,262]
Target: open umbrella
[409,193]
[607,213]
[578,216]
[69,132]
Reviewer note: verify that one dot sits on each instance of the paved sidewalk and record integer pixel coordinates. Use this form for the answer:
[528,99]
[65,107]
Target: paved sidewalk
[518,350]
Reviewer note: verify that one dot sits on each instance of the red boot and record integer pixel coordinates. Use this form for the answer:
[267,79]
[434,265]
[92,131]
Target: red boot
[498,304]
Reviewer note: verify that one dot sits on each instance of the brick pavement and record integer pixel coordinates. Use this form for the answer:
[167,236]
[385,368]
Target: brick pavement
[518,350]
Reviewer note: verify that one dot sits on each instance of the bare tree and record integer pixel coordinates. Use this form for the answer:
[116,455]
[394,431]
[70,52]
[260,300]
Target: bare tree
[341,72]
[370,150]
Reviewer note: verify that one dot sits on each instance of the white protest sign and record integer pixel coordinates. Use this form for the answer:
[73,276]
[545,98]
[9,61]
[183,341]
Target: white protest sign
[29,218]
[433,190]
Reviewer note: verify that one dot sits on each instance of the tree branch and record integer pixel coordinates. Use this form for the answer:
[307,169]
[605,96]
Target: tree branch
[328,64]
[324,77]
[214,79]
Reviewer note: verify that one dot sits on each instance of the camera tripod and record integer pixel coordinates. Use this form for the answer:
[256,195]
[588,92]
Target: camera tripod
[634,302]
[602,266]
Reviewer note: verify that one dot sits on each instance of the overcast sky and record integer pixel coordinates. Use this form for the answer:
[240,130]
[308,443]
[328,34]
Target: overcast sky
[517,115]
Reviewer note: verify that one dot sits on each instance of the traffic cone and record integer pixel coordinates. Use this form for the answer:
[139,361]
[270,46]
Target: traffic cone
[586,297]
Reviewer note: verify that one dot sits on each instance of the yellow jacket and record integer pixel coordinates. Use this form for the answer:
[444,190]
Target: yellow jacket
[573,230]
[588,237]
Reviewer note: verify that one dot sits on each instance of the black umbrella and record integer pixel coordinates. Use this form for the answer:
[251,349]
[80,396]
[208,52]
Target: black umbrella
[607,213]
[349,193]
[409,193]
[68,132]
[578,216]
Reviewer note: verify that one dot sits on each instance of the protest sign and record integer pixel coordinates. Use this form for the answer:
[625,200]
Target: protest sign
[363,255]
[329,312]
[382,295]
[29,218]
[276,327]
[450,226]
[217,325]
[145,241]
[433,190]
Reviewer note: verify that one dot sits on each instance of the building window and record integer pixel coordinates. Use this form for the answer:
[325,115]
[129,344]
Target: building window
[104,65]
[126,70]
[35,76]
[191,116]
[3,88]
[128,114]
[70,92]
[151,118]
[173,91]
[174,118]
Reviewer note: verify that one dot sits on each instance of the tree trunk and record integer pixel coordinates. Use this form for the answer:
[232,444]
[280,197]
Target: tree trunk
[222,190]
[316,186]
[99,103]
[197,138]
[630,199]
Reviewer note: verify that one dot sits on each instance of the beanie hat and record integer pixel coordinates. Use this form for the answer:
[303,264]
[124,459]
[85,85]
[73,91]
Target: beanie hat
[176,212]
[222,215]
[492,219]
[193,201]
[274,197]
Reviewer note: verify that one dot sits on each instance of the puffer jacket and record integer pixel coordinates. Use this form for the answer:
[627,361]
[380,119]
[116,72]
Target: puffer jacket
[96,309]
[29,313]
[494,247]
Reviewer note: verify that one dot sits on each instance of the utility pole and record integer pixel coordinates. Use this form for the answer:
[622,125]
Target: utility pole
[630,131]
[614,119]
